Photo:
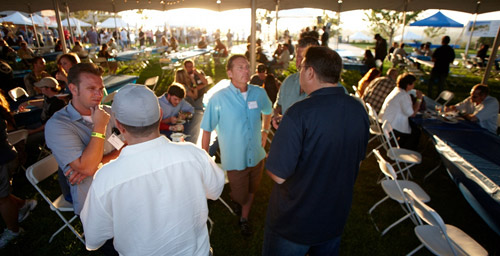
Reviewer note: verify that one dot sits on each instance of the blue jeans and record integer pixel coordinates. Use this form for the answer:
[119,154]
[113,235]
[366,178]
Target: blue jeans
[276,245]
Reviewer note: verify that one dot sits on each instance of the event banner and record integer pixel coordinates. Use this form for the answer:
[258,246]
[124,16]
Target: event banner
[484,28]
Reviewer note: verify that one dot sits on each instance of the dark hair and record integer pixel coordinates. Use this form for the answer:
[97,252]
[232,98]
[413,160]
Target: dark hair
[36,58]
[445,40]
[229,65]
[307,41]
[327,63]
[103,46]
[142,131]
[75,72]
[368,54]
[482,88]
[261,68]
[71,57]
[176,89]
[405,79]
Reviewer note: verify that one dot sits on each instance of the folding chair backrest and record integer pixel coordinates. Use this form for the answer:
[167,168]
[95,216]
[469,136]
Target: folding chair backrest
[389,135]
[151,82]
[355,89]
[17,93]
[385,166]
[42,169]
[17,136]
[361,101]
[446,96]
[373,114]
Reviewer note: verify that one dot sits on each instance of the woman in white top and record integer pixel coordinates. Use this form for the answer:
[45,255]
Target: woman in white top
[398,107]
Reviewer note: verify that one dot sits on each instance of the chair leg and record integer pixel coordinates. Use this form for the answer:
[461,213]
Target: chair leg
[211,225]
[415,250]
[67,224]
[377,204]
[396,223]
[433,170]
[227,206]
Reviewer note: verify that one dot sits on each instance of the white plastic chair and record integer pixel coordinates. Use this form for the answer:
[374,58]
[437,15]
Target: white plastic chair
[438,237]
[17,93]
[394,190]
[17,136]
[39,172]
[446,96]
[404,158]
[355,89]
[375,128]
[152,82]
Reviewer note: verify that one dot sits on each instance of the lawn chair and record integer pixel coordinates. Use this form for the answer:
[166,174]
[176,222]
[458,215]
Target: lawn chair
[446,96]
[394,190]
[404,158]
[375,128]
[17,93]
[152,82]
[40,171]
[438,237]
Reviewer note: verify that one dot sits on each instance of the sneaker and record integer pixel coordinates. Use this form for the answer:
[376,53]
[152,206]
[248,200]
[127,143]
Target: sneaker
[24,212]
[246,230]
[8,236]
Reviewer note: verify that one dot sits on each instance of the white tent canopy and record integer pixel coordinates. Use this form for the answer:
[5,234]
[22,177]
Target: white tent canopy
[74,22]
[409,36]
[17,18]
[110,23]
[360,36]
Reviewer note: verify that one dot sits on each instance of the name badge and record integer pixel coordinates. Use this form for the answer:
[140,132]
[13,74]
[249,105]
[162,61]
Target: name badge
[115,141]
[252,104]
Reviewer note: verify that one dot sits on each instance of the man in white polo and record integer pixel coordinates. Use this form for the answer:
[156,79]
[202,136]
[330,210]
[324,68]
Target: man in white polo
[153,198]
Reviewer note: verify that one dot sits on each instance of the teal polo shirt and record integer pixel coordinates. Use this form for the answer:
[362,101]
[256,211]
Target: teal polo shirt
[238,125]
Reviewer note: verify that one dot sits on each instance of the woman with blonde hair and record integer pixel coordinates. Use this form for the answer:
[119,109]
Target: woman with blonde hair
[182,77]
[367,78]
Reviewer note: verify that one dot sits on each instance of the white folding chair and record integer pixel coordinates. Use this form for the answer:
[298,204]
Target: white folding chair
[152,82]
[446,96]
[375,128]
[361,101]
[438,237]
[404,158]
[39,172]
[17,136]
[17,93]
[355,89]
[394,190]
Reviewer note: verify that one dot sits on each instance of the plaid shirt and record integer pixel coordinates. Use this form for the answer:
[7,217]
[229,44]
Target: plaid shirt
[377,91]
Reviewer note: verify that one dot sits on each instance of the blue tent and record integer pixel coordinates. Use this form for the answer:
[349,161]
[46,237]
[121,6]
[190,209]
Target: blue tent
[437,20]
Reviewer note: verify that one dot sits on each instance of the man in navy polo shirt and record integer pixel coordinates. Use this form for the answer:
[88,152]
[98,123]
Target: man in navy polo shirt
[314,160]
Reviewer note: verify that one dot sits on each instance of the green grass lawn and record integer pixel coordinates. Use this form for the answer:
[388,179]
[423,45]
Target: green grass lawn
[359,238]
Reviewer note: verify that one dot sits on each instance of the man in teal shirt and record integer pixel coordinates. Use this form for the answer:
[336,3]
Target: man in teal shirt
[235,113]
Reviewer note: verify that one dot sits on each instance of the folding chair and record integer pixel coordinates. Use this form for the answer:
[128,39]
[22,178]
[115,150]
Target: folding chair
[361,101]
[15,138]
[404,158]
[438,237]
[375,128]
[39,172]
[446,96]
[152,82]
[17,93]
[394,190]
[355,89]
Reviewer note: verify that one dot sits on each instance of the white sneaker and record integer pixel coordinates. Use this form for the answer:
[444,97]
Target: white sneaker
[8,236]
[24,212]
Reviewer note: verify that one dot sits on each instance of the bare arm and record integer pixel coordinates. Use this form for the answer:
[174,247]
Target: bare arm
[203,79]
[266,124]
[275,178]
[416,105]
[205,140]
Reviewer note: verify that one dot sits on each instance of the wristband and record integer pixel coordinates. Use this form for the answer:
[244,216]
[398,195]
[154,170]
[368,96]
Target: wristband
[265,130]
[98,135]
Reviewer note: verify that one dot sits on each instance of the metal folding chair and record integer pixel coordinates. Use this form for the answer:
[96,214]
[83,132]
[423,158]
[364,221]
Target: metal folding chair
[40,171]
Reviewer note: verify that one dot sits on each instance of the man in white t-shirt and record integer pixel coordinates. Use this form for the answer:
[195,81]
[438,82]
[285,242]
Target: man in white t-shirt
[153,198]
[479,107]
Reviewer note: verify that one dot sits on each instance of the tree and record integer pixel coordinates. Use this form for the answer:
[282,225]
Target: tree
[385,22]
[434,32]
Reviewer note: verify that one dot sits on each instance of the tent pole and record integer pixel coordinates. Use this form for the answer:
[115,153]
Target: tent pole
[404,22]
[59,25]
[338,21]
[277,9]
[472,30]
[491,59]
[72,40]
[116,27]
[253,32]
[34,26]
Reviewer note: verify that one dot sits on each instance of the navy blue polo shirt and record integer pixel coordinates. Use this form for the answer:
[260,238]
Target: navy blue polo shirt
[318,149]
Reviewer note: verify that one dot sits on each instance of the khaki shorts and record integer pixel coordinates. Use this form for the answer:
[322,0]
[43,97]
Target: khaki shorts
[245,182]
[6,172]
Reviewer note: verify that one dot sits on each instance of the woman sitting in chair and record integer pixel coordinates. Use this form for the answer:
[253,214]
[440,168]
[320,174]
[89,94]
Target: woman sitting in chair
[398,107]
[182,77]
[103,53]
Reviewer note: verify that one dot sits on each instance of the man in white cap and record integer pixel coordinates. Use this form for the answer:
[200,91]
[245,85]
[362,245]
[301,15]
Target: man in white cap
[153,198]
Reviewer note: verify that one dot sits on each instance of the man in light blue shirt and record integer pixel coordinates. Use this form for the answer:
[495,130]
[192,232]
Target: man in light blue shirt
[235,113]
[173,102]
[479,107]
